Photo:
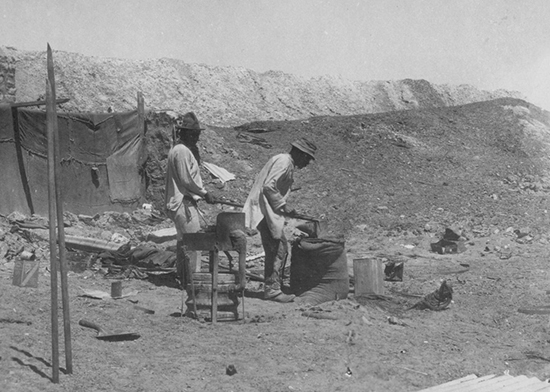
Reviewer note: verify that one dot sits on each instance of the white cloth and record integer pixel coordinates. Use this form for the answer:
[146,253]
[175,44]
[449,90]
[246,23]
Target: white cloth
[223,174]
[186,219]
[183,177]
[269,193]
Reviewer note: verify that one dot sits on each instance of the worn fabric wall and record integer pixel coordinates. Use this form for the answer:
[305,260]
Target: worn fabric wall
[12,195]
[101,158]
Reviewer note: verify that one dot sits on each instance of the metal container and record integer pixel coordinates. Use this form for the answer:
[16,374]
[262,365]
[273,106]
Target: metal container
[116,289]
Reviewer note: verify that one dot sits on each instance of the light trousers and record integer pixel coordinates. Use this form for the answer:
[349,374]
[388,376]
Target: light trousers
[186,219]
[276,253]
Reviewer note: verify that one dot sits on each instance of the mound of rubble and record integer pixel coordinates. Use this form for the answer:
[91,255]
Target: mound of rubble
[220,96]
[482,165]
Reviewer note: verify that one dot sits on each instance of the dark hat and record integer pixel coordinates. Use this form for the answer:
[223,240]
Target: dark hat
[188,122]
[306,146]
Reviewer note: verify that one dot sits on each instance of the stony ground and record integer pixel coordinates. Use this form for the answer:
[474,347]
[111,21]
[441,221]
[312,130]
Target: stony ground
[390,183]
[276,348]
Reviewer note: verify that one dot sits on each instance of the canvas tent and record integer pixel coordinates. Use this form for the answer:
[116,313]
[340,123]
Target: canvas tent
[102,159]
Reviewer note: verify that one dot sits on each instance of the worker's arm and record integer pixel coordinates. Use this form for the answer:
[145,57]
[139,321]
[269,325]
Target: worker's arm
[187,173]
[279,178]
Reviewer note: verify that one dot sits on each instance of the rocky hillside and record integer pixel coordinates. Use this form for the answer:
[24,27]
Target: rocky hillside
[481,166]
[459,156]
[221,96]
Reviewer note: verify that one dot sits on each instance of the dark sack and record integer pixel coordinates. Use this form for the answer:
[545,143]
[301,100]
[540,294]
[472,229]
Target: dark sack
[319,270]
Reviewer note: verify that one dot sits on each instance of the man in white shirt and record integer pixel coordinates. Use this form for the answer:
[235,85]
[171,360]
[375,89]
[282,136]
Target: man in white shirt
[266,208]
[184,188]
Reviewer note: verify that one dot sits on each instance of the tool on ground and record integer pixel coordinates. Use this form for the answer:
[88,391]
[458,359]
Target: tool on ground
[303,217]
[228,203]
[145,310]
[110,336]
[201,214]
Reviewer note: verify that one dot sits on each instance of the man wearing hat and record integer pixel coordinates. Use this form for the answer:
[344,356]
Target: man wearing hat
[184,187]
[266,208]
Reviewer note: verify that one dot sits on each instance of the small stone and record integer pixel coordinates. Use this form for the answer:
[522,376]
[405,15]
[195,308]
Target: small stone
[230,370]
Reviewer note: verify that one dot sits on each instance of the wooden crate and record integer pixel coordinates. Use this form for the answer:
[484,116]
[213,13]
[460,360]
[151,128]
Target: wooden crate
[25,273]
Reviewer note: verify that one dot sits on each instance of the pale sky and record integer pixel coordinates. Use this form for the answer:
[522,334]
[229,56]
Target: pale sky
[490,44]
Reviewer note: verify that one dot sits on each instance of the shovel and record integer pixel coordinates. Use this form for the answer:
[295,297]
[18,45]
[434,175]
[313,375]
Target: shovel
[295,216]
[114,336]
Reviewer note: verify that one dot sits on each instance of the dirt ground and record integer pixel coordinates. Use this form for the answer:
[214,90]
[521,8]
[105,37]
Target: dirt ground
[276,348]
[390,183]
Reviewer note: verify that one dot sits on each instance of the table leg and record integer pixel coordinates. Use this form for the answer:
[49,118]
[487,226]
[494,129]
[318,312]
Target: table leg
[214,261]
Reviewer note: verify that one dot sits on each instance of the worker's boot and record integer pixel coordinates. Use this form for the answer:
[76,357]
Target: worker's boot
[275,294]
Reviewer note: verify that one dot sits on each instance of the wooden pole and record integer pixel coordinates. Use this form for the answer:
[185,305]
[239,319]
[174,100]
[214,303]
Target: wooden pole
[37,103]
[60,225]
[141,112]
[52,220]
[369,277]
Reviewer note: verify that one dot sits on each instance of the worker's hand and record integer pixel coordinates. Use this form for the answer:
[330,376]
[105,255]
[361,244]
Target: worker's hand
[209,198]
[287,210]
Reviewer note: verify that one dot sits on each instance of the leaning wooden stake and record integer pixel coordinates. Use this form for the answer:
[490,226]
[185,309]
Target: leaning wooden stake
[52,219]
[51,108]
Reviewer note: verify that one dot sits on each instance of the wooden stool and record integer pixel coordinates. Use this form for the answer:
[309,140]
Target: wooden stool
[228,225]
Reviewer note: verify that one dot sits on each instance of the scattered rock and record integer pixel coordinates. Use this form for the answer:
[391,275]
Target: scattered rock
[230,370]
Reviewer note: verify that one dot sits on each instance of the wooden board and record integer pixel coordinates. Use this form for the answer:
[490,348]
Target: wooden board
[25,273]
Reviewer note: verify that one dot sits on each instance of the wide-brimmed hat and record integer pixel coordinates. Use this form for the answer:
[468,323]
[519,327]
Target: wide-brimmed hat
[188,121]
[306,146]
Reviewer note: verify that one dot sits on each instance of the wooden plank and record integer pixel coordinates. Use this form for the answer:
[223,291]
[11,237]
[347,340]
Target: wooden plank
[507,384]
[499,382]
[465,386]
[544,387]
[91,244]
[37,103]
[450,383]
[492,383]
[496,383]
[163,235]
[522,383]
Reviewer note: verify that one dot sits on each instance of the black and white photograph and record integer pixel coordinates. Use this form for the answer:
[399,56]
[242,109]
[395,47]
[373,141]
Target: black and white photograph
[274,196]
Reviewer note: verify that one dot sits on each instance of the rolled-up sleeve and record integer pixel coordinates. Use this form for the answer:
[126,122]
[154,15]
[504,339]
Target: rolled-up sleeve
[187,173]
[277,184]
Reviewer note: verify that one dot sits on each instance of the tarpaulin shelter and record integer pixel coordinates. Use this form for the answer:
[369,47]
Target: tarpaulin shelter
[102,159]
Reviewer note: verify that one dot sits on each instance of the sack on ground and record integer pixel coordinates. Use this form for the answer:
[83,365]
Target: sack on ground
[318,270]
